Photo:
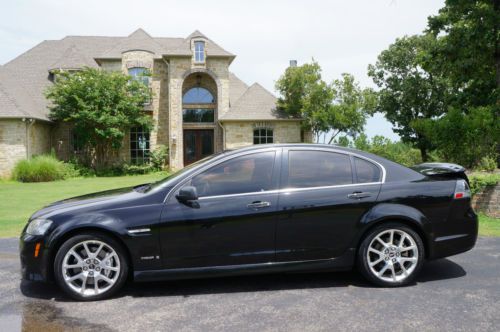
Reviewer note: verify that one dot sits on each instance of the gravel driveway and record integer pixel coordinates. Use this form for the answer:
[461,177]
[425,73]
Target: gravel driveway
[461,293]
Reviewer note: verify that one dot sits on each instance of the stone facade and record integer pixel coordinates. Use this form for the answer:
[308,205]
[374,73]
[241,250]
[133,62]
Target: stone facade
[238,134]
[488,201]
[175,67]
[21,139]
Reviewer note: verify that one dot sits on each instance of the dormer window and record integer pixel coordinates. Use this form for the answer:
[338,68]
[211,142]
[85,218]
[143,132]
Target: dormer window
[199,51]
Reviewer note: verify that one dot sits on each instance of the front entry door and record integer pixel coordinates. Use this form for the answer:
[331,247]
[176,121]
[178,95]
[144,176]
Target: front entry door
[198,144]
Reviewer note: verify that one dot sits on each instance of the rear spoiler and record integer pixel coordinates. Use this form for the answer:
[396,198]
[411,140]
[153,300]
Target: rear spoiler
[441,170]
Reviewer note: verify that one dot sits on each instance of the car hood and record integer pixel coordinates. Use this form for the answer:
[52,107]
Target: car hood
[85,200]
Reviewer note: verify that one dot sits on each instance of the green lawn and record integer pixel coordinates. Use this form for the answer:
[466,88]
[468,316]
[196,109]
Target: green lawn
[19,200]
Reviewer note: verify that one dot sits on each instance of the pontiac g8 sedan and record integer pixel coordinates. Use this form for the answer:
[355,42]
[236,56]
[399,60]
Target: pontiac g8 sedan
[264,209]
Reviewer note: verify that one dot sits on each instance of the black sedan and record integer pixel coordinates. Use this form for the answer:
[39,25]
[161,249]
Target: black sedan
[267,208]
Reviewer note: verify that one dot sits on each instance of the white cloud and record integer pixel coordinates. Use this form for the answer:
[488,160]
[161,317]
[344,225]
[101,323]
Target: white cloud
[343,36]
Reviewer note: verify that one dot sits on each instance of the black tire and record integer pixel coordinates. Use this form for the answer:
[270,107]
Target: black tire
[91,236]
[363,263]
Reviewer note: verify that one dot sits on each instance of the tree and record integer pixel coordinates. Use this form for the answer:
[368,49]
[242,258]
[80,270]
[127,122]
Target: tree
[408,91]
[102,106]
[334,108]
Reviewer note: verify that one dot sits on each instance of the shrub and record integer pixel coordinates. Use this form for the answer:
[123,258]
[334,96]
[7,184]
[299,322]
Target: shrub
[158,157]
[137,169]
[478,182]
[42,168]
[487,164]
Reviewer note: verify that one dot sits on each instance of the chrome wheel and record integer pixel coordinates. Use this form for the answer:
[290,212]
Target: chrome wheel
[392,255]
[90,268]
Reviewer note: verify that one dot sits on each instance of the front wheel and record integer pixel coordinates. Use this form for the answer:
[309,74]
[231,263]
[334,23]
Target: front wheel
[90,266]
[391,255]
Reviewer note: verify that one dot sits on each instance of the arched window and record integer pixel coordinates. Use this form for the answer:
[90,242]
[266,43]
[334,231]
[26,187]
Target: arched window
[140,74]
[263,136]
[198,96]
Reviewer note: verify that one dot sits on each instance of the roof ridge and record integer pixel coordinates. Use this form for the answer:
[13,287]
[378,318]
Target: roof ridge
[257,84]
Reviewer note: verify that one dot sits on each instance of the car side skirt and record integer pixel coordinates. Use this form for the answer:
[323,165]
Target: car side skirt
[344,262]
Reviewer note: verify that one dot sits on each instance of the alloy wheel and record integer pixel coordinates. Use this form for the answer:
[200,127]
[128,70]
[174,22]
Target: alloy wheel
[392,255]
[90,268]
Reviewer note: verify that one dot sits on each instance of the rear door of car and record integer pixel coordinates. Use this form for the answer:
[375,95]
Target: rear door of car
[321,201]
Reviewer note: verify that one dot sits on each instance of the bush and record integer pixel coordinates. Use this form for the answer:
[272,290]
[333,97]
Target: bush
[42,168]
[488,164]
[478,182]
[137,169]
[158,157]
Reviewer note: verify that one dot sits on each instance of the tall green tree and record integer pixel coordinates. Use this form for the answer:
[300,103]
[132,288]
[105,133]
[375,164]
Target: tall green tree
[409,92]
[102,106]
[339,107]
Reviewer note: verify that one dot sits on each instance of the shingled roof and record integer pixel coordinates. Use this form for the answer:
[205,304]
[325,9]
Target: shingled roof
[256,103]
[24,79]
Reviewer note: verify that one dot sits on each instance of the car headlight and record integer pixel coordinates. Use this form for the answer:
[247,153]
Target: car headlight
[38,226]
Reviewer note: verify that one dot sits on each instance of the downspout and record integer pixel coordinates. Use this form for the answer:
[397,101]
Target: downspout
[223,135]
[29,123]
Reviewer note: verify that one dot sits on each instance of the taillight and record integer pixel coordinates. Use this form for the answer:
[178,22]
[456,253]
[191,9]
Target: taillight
[462,190]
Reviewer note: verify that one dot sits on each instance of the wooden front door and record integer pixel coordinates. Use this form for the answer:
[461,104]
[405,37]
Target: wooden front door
[198,144]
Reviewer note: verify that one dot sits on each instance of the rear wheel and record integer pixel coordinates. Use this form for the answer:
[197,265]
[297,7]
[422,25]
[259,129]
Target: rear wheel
[90,266]
[391,255]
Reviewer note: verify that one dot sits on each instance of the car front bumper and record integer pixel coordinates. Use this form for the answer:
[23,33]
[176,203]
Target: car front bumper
[35,267]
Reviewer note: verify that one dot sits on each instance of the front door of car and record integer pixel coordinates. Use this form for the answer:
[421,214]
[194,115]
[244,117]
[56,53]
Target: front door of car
[322,202]
[233,220]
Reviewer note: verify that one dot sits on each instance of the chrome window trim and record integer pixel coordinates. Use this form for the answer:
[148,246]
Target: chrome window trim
[183,182]
[284,190]
[316,148]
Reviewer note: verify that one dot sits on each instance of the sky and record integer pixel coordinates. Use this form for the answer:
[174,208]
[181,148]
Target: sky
[344,36]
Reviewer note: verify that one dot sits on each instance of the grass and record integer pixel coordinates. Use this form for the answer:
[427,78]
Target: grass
[489,226]
[20,200]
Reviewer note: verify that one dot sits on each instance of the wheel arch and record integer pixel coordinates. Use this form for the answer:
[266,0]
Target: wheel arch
[396,213]
[56,243]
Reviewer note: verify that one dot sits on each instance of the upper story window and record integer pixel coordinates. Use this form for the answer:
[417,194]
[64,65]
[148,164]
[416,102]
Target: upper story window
[308,169]
[198,96]
[263,136]
[140,74]
[199,51]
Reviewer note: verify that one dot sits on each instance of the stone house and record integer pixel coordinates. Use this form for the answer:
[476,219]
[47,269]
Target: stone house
[199,106]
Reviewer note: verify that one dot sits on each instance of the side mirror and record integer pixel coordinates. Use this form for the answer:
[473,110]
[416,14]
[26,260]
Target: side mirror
[188,195]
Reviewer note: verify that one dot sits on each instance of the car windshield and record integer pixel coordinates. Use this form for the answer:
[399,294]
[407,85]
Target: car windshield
[162,182]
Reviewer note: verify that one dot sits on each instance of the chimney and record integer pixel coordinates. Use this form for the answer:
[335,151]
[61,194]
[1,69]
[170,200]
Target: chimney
[293,63]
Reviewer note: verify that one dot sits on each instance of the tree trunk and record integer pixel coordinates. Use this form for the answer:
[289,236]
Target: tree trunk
[423,154]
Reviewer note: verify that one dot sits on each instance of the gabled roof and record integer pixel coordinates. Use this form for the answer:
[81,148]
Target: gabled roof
[24,79]
[256,103]
[139,40]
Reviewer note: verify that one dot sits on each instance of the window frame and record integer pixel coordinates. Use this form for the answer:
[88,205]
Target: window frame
[285,169]
[197,52]
[145,160]
[265,137]
[355,169]
[275,177]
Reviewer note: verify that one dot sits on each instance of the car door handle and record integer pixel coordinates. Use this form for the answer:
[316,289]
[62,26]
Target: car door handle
[258,205]
[358,195]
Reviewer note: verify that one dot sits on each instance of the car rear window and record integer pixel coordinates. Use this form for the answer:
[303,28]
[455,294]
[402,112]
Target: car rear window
[366,171]
[318,169]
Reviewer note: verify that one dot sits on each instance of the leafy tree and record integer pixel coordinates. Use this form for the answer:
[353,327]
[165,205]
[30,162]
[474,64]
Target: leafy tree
[408,91]
[334,108]
[102,106]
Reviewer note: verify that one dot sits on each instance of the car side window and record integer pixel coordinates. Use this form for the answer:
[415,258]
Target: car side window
[366,171]
[318,168]
[244,174]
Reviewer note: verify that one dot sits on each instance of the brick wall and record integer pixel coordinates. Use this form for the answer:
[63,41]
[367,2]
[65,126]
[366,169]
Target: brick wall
[488,201]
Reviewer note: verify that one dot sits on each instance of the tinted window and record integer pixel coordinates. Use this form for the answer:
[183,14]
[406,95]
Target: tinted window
[245,174]
[318,169]
[366,171]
